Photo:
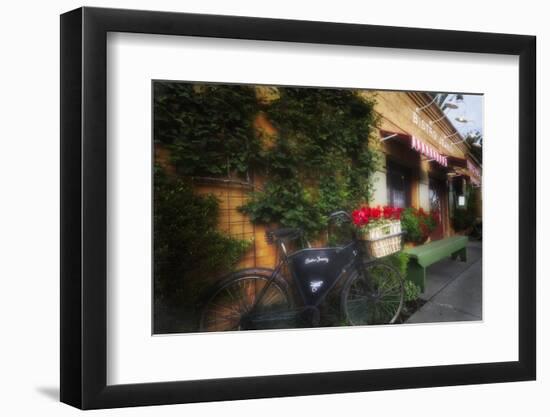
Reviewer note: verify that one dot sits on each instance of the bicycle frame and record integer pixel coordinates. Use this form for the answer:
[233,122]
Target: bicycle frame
[316,271]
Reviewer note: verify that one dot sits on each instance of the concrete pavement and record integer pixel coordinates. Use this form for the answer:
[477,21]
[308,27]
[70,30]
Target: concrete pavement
[453,290]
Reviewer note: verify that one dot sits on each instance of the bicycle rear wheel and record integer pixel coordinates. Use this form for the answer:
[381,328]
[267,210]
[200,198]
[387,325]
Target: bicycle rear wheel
[230,305]
[374,296]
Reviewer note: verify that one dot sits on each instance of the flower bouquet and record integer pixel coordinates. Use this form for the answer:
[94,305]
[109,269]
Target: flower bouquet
[380,228]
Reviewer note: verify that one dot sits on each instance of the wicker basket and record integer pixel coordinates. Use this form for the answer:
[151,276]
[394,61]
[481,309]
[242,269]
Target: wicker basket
[383,240]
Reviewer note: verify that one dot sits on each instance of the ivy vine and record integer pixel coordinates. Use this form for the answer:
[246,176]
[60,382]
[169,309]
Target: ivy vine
[208,128]
[316,160]
[320,161]
[187,248]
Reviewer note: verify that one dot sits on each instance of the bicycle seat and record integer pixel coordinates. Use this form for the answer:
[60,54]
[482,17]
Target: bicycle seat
[283,234]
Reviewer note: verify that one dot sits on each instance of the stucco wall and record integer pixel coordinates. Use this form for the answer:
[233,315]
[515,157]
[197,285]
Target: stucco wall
[380,195]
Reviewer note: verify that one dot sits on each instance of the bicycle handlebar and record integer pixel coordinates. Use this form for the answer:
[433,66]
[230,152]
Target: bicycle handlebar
[340,214]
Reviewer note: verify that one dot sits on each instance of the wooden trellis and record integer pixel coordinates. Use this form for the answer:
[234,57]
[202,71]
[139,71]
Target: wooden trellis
[231,195]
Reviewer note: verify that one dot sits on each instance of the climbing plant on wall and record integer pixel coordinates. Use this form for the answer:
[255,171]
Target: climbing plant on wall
[320,160]
[312,158]
[207,127]
[188,248]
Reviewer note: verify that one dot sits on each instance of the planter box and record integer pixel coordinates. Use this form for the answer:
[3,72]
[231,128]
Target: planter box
[383,240]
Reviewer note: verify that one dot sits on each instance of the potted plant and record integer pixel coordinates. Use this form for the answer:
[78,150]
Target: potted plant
[418,225]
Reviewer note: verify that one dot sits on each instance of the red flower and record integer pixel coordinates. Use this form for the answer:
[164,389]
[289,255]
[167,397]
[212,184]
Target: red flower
[361,217]
[375,212]
[388,212]
[364,215]
[355,216]
[397,213]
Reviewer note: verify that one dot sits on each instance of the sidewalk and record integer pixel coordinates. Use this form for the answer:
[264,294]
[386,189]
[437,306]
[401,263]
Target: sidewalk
[453,290]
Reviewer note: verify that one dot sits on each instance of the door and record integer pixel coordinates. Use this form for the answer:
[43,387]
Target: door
[437,207]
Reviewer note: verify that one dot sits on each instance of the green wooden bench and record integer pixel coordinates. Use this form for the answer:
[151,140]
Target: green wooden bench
[420,257]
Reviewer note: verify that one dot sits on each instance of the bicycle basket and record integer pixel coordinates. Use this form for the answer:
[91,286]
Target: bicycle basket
[383,240]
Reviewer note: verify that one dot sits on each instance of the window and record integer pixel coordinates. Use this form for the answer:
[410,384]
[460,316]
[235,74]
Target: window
[398,179]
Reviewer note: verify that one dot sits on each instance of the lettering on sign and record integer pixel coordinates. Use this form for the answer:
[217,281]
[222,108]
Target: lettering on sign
[428,151]
[427,127]
[316,260]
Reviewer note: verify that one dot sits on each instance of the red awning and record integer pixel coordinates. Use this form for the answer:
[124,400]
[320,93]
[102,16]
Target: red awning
[418,145]
[386,134]
[456,161]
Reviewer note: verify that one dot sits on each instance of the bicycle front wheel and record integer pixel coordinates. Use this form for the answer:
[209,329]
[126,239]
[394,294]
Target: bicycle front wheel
[230,306]
[373,296]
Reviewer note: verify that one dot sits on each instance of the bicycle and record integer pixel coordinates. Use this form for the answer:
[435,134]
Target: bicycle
[371,291]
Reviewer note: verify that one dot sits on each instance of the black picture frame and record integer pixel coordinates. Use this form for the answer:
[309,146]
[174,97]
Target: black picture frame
[84,207]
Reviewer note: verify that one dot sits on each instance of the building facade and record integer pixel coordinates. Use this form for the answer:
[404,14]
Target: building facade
[426,162]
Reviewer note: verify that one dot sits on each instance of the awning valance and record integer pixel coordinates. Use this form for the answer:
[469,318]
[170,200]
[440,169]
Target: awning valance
[428,151]
[417,144]
[461,166]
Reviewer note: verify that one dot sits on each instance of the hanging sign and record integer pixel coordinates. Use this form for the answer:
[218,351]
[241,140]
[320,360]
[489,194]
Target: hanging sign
[428,151]
[475,173]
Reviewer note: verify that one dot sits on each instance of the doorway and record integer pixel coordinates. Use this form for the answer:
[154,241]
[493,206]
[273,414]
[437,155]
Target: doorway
[437,207]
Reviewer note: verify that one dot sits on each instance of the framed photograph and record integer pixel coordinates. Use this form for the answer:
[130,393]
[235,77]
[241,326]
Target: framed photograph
[256,208]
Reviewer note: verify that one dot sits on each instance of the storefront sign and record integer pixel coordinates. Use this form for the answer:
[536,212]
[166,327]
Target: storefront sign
[428,151]
[427,127]
[475,173]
